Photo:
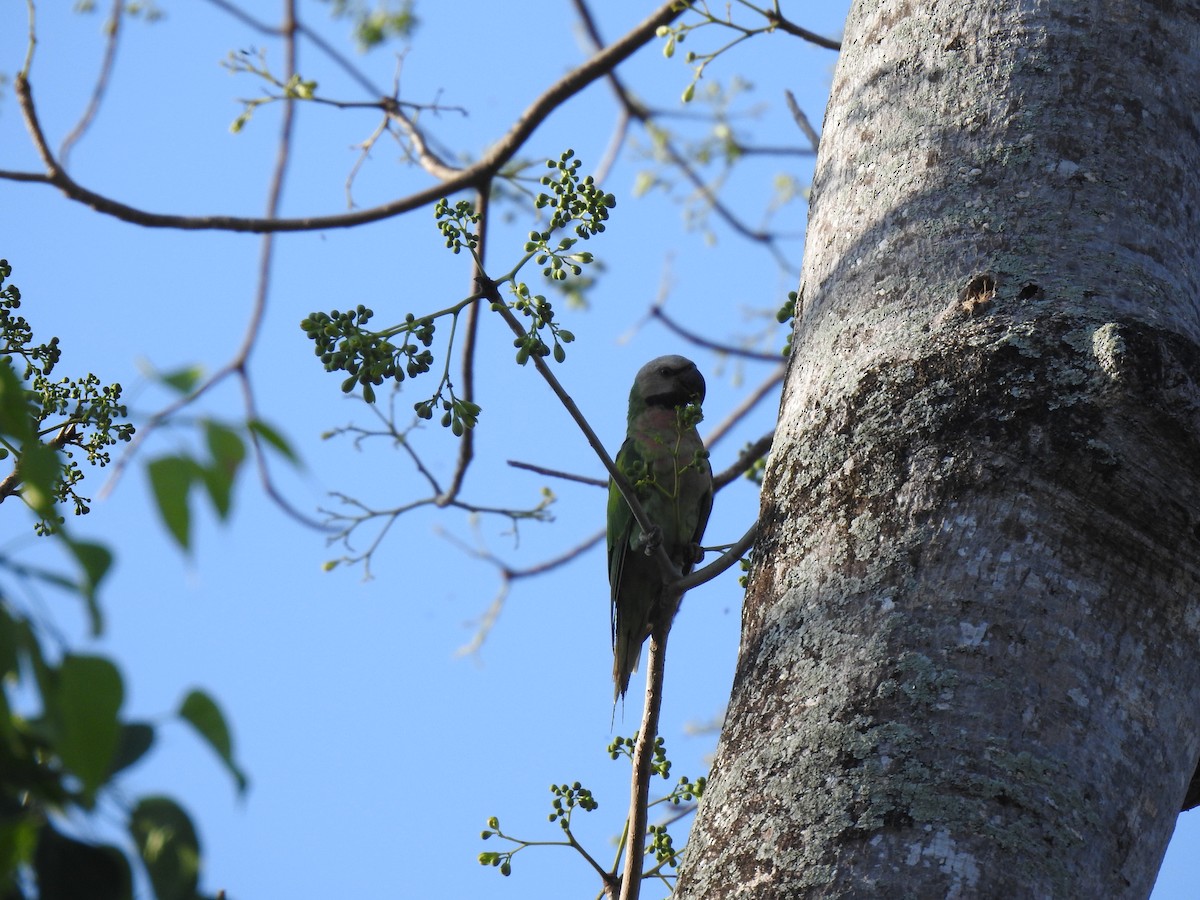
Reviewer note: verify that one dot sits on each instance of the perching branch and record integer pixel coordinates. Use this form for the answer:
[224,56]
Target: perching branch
[643,754]
[489,290]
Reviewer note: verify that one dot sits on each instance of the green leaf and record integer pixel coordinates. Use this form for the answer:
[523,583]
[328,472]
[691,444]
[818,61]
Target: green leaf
[171,478]
[95,560]
[225,444]
[16,415]
[18,838]
[167,841]
[10,642]
[228,453]
[135,741]
[219,483]
[68,869]
[183,380]
[87,699]
[202,712]
[40,470]
[275,439]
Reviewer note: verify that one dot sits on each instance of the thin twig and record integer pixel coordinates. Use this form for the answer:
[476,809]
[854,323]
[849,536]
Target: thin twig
[743,409]
[98,90]
[792,28]
[319,42]
[466,447]
[635,109]
[474,176]
[802,120]
[745,460]
[656,312]
[558,473]
[507,576]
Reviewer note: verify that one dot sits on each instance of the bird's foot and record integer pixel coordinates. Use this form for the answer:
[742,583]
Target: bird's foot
[697,553]
[651,540]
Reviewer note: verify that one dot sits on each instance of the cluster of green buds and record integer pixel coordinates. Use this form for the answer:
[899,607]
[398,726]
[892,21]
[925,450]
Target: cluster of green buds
[688,790]
[566,798]
[17,334]
[574,199]
[786,313]
[455,223]
[540,313]
[457,414]
[661,845]
[69,415]
[501,859]
[689,416]
[368,357]
[624,746]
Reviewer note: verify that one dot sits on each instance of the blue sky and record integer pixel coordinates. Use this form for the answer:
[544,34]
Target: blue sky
[376,752]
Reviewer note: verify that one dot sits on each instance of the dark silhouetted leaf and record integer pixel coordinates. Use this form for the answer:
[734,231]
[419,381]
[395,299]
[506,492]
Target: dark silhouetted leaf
[171,478]
[167,842]
[86,702]
[67,869]
[136,738]
[205,716]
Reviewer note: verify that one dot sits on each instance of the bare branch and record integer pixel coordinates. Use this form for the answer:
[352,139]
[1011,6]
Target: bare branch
[743,409]
[507,576]
[106,66]
[474,176]
[790,27]
[635,109]
[656,312]
[745,460]
[802,120]
[556,473]
[466,447]
[643,760]
[312,35]
[712,570]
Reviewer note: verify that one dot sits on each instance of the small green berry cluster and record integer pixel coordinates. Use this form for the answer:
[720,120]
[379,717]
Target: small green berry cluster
[744,566]
[540,313]
[786,313]
[688,790]
[689,416]
[17,333]
[68,414]
[369,357]
[757,469]
[661,845]
[502,860]
[457,414]
[623,746]
[574,199]
[81,402]
[455,223]
[566,798]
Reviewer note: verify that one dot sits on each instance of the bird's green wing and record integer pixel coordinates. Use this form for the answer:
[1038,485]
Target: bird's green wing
[632,591]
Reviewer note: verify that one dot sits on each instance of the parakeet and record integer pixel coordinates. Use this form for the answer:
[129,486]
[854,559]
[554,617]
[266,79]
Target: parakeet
[667,465]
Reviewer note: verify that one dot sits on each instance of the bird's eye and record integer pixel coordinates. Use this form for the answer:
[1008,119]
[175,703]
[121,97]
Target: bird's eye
[664,372]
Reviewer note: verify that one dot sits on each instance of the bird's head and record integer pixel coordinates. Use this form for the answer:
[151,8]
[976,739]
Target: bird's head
[667,382]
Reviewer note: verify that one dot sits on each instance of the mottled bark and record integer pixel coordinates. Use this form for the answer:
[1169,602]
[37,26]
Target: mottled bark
[970,659]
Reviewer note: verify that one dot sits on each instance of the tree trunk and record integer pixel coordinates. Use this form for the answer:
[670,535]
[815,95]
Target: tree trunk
[970,657]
